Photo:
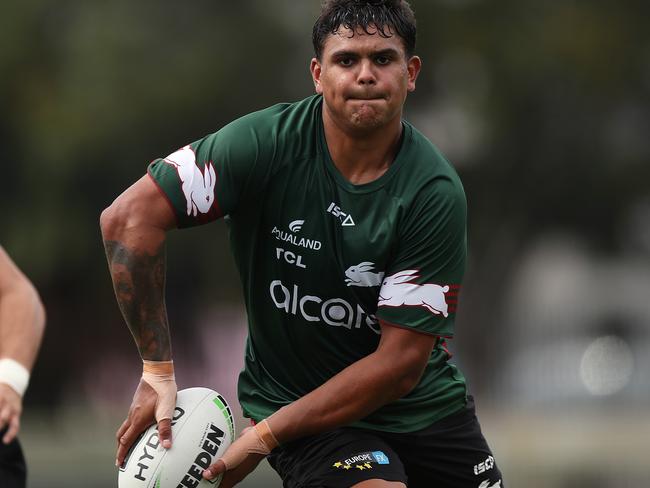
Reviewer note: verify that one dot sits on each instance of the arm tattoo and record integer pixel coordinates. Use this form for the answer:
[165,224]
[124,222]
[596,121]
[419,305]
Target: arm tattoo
[139,283]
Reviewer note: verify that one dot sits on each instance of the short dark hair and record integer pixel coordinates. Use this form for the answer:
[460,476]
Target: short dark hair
[388,17]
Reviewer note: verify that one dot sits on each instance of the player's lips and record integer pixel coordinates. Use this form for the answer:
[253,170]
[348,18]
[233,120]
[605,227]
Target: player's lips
[366,98]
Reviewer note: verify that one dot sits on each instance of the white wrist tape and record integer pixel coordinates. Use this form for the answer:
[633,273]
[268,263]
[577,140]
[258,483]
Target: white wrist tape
[160,376]
[14,374]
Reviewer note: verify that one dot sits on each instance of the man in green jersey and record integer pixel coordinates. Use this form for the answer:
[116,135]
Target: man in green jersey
[348,230]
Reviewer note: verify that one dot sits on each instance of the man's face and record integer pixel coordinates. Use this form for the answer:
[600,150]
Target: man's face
[364,79]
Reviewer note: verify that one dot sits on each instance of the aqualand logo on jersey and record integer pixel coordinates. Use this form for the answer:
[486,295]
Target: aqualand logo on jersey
[398,290]
[291,237]
[296,225]
[197,185]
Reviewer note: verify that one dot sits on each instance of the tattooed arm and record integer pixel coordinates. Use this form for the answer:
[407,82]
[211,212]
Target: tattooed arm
[134,229]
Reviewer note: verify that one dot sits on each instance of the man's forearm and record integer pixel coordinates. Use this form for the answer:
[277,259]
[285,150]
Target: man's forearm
[384,376]
[352,394]
[134,229]
[138,274]
[22,320]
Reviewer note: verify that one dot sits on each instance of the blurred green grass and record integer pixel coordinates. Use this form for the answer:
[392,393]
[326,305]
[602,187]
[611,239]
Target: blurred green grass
[534,449]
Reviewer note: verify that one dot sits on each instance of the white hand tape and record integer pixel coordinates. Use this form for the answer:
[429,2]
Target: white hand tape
[14,374]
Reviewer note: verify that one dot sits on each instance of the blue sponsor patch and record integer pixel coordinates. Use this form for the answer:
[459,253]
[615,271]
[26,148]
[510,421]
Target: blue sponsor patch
[380,457]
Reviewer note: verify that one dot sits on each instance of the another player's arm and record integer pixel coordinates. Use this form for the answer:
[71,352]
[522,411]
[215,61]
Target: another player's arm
[387,374]
[134,229]
[22,321]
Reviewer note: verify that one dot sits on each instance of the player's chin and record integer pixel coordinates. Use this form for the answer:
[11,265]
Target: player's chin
[367,120]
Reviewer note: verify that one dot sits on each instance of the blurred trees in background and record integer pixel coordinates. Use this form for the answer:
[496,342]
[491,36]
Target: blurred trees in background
[542,106]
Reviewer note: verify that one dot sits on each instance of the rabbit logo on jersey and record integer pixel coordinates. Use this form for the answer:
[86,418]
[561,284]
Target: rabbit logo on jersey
[397,290]
[362,275]
[197,186]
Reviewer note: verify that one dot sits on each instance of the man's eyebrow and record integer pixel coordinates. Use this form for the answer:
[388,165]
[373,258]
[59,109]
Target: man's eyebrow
[344,53]
[348,53]
[387,52]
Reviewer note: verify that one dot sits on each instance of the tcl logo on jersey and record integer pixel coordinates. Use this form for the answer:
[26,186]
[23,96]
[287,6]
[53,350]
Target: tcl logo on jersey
[397,290]
[289,257]
[336,312]
[197,186]
[344,218]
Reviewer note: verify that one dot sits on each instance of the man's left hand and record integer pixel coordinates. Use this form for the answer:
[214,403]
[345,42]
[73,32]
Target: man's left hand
[233,476]
[11,406]
[240,459]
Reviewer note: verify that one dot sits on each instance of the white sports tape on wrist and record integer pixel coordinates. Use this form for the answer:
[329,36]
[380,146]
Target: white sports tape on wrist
[14,374]
[160,376]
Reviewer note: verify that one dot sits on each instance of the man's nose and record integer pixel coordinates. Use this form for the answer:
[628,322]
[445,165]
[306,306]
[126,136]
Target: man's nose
[366,75]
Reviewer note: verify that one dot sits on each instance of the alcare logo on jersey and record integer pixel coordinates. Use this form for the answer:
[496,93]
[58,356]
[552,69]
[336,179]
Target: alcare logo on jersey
[345,219]
[335,312]
[397,290]
[291,237]
[197,186]
[362,461]
[362,275]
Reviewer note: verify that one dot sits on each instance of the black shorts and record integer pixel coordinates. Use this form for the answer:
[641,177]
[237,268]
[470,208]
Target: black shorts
[13,472]
[451,453]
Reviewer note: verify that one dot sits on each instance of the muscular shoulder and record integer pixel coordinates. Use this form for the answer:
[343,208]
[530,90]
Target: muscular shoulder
[290,126]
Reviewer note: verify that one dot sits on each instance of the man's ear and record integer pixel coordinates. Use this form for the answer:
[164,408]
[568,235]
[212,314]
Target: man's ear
[413,66]
[315,68]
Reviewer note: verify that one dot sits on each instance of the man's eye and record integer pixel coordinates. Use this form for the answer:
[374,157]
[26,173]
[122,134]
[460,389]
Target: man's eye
[382,60]
[345,61]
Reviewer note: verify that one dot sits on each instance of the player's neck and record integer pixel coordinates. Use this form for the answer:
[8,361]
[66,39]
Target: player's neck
[362,157]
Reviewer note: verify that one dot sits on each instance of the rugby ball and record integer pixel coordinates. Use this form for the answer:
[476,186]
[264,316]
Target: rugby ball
[202,430]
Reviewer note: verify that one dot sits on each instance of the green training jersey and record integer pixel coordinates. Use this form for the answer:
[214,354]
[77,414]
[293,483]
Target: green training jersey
[323,260]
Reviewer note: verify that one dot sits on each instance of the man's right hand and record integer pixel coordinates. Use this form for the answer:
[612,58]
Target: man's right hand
[10,408]
[142,415]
